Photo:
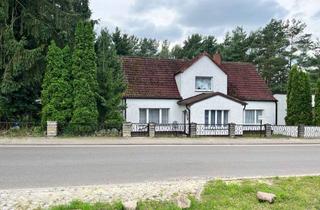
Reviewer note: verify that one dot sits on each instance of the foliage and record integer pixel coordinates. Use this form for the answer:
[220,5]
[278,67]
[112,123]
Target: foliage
[299,107]
[235,46]
[194,45]
[165,50]
[317,105]
[110,81]
[84,72]
[267,51]
[86,206]
[26,30]
[291,193]
[56,95]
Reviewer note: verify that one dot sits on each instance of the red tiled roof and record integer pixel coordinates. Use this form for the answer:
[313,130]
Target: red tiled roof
[204,96]
[155,78]
[151,78]
[245,83]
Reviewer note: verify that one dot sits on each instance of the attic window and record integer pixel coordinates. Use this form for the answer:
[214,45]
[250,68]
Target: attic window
[203,83]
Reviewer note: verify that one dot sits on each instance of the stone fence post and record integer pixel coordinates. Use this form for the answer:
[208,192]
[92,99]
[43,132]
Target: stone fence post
[52,128]
[268,130]
[152,130]
[126,129]
[300,131]
[193,130]
[232,130]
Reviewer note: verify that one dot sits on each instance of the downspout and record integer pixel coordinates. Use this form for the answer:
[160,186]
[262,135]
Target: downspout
[125,110]
[189,116]
[276,112]
[243,114]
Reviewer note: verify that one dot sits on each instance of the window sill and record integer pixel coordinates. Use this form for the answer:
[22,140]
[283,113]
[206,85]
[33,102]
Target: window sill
[204,91]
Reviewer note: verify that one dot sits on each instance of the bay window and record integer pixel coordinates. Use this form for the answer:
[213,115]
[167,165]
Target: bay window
[154,115]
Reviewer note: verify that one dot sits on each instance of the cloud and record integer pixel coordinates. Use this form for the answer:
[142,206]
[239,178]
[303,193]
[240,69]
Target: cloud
[176,19]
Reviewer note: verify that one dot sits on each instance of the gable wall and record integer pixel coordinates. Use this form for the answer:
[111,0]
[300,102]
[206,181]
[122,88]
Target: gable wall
[217,103]
[203,67]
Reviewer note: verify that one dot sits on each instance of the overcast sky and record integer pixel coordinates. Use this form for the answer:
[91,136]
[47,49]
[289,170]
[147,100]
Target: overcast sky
[176,19]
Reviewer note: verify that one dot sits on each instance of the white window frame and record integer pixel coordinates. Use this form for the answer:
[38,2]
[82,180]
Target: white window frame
[160,114]
[200,90]
[216,117]
[256,120]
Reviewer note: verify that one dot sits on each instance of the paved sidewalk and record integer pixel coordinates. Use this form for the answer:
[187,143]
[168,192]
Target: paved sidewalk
[152,141]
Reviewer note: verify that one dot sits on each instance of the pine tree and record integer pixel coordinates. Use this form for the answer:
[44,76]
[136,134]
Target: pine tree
[235,45]
[84,72]
[268,51]
[299,108]
[165,51]
[56,95]
[317,105]
[110,81]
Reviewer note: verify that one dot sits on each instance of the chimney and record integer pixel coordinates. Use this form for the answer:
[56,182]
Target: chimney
[217,58]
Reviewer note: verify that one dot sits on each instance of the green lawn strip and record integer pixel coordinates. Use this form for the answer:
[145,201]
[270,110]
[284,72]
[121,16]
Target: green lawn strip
[86,206]
[292,193]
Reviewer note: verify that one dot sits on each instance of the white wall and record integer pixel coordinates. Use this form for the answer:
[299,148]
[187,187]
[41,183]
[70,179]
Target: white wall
[206,68]
[133,106]
[282,108]
[269,110]
[217,103]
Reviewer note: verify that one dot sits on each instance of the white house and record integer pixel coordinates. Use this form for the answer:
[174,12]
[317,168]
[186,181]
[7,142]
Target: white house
[203,90]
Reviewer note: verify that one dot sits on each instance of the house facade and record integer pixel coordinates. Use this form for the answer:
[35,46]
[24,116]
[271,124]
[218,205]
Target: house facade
[203,90]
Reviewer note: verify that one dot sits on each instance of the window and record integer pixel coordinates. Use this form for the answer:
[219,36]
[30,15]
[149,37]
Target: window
[216,117]
[165,116]
[203,83]
[143,116]
[252,116]
[154,115]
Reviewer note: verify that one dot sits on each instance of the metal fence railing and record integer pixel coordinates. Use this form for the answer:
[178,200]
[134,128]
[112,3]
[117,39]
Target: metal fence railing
[139,129]
[311,131]
[212,130]
[284,130]
[172,129]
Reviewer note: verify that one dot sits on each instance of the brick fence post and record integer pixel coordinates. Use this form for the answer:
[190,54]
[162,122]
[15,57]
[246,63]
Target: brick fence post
[193,130]
[52,128]
[126,129]
[268,130]
[232,130]
[301,131]
[152,129]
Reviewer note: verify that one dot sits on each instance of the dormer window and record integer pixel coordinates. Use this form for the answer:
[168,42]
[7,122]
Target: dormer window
[203,83]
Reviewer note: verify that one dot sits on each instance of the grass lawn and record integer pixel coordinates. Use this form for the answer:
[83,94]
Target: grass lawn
[292,194]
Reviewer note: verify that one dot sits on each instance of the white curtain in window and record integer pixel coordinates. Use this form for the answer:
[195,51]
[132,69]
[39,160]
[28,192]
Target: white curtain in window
[154,115]
[206,117]
[258,115]
[143,116]
[213,117]
[203,83]
[165,116]
[219,117]
[226,117]
[249,116]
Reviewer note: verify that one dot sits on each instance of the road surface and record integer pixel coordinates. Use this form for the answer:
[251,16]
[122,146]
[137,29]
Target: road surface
[50,166]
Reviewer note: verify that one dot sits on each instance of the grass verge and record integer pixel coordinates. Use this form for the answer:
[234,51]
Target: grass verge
[292,193]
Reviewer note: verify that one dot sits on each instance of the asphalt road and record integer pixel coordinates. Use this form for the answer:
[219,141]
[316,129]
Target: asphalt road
[47,166]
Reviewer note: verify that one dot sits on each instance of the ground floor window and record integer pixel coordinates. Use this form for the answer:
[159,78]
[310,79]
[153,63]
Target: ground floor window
[154,115]
[252,116]
[216,117]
